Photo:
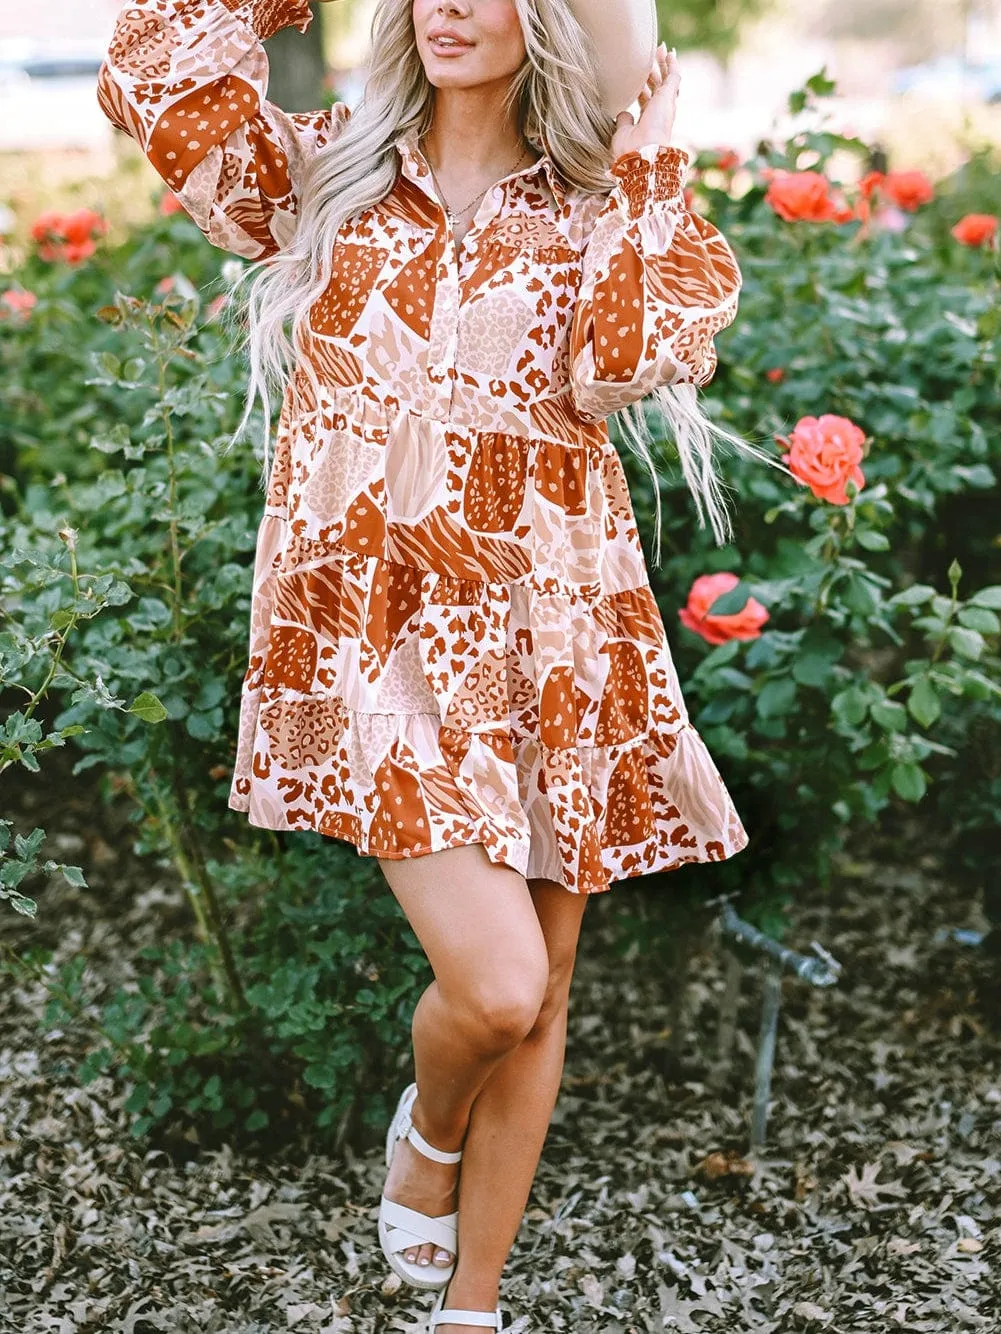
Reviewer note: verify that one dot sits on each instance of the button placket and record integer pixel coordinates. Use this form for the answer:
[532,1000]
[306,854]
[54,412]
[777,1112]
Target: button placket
[443,346]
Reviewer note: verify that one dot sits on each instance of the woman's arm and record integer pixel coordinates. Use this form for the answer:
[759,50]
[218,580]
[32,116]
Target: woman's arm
[187,79]
[659,282]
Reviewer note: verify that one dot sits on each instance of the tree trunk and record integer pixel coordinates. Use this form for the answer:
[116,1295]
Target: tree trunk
[297,67]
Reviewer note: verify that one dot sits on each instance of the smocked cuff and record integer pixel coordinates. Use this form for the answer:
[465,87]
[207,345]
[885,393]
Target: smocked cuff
[267,17]
[653,172]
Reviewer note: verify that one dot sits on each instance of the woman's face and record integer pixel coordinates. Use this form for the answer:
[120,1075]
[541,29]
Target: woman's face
[491,45]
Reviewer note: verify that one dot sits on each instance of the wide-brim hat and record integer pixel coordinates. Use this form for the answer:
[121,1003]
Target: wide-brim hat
[624,33]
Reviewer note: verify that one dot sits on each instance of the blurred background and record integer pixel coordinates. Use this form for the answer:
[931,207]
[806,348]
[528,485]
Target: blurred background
[922,78]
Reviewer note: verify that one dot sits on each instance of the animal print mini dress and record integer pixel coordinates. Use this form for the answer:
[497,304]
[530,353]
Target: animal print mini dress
[453,639]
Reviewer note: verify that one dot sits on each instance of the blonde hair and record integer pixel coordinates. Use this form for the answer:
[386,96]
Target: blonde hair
[553,92]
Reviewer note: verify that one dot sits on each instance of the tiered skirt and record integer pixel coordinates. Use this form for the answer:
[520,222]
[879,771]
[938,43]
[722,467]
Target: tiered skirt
[454,641]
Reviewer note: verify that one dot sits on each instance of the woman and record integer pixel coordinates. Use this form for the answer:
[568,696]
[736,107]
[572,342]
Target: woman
[457,663]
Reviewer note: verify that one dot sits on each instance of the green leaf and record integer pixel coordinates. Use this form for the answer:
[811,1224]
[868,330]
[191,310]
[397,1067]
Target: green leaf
[871,540]
[73,875]
[912,597]
[201,726]
[112,441]
[731,602]
[967,643]
[979,618]
[890,715]
[12,873]
[908,781]
[987,597]
[924,703]
[850,706]
[147,707]
[776,697]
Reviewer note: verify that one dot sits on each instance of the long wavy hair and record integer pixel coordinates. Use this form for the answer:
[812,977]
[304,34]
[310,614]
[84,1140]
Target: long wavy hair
[553,91]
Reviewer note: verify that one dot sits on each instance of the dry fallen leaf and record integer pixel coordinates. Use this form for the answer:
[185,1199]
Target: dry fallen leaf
[865,1190]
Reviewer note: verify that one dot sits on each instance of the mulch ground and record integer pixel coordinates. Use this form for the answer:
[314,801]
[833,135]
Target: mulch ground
[874,1206]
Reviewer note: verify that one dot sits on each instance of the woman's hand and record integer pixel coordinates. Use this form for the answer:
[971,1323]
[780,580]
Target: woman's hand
[658,101]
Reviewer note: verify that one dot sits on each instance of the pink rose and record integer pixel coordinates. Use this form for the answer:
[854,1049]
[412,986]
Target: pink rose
[17,304]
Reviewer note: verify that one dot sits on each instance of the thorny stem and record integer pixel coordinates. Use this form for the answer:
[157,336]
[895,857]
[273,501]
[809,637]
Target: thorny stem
[211,914]
[190,888]
[163,363]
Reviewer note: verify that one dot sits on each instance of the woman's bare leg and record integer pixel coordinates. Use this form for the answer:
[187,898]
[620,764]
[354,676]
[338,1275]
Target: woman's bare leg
[478,926]
[457,1037]
[510,1119]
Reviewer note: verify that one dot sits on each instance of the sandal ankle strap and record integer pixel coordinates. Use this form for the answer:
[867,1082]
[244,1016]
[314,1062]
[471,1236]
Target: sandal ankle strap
[453,1315]
[406,1128]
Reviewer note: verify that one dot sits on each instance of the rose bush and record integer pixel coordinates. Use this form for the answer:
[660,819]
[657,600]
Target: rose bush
[840,657]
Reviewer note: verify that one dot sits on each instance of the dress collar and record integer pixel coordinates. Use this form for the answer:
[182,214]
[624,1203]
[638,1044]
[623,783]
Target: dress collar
[417,164]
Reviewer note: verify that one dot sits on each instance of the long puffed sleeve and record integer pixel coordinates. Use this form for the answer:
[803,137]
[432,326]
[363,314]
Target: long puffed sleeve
[187,79]
[659,282]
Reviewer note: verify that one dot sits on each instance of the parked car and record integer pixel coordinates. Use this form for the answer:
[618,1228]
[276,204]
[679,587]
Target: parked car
[21,61]
[951,76]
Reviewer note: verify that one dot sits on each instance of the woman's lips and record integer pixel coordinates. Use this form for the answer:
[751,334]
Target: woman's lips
[449,48]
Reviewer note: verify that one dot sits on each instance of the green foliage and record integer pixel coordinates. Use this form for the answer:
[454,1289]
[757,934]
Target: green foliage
[128,530]
[880,652]
[717,28]
[19,859]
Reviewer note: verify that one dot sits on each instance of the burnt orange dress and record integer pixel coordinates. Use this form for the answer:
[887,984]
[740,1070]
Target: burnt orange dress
[453,639]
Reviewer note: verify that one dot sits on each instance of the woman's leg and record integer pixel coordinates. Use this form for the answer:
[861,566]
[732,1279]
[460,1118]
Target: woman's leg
[510,1119]
[479,928]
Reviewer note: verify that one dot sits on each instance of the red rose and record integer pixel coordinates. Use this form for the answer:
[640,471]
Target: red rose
[727,159]
[776,375]
[977,229]
[744,624]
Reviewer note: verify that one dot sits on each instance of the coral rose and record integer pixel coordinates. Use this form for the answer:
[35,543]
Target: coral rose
[82,226]
[75,252]
[824,453]
[68,237]
[743,624]
[908,189]
[727,159]
[776,375]
[47,225]
[805,196]
[976,229]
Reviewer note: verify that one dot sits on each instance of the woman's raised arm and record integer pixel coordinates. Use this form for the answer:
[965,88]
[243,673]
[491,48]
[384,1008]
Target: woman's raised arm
[659,282]
[187,79]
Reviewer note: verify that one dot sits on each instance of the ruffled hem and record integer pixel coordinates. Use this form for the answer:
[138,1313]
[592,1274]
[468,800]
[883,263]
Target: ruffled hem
[400,786]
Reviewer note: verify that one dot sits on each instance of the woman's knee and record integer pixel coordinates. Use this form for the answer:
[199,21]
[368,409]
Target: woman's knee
[556,998]
[502,1006]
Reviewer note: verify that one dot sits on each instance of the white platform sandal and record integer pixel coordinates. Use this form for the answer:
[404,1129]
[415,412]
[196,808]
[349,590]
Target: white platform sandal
[401,1227]
[454,1315]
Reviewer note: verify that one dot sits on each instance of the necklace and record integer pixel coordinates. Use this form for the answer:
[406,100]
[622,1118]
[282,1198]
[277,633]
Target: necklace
[457,213]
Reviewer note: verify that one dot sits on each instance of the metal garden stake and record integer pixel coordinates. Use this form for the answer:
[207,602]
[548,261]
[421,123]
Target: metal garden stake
[820,970]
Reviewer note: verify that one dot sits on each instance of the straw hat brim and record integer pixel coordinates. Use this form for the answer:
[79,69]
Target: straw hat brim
[624,33]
